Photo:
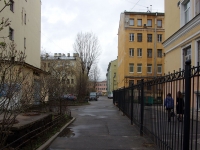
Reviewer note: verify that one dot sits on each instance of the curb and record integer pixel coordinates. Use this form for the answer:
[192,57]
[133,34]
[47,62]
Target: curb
[47,143]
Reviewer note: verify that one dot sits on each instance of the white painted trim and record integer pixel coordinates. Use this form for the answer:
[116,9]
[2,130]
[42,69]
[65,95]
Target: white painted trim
[183,31]
[179,44]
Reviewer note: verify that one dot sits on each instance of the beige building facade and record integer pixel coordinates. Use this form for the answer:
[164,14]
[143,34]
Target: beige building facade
[101,87]
[182,33]
[25,28]
[140,50]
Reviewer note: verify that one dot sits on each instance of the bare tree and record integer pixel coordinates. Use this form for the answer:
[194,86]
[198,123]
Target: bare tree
[88,48]
[94,75]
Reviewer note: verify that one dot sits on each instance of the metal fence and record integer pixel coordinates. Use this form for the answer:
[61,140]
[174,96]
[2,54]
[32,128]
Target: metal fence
[144,105]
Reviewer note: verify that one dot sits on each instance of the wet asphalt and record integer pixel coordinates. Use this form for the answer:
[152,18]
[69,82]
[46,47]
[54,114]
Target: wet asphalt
[100,126]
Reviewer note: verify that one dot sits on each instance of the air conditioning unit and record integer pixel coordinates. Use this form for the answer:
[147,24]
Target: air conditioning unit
[187,57]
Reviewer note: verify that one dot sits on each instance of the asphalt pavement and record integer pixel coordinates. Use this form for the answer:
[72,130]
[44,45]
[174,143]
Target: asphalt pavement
[100,126]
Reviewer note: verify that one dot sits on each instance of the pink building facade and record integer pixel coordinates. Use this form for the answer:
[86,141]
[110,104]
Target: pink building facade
[101,87]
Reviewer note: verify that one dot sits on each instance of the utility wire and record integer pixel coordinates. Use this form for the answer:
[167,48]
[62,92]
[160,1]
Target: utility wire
[135,4]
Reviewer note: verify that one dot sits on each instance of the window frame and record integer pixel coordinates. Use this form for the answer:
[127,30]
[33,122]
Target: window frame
[187,49]
[149,37]
[131,67]
[11,34]
[197,7]
[159,53]
[148,53]
[131,52]
[139,66]
[131,37]
[139,37]
[149,66]
[159,66]
[159,38]
[148,22]
[25,18]
[12,5]
[159,26]
[130,22]
[24,42]
[139,52]
[138,22]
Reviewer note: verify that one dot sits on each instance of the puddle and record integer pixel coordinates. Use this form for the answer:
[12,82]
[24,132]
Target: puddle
[67,132]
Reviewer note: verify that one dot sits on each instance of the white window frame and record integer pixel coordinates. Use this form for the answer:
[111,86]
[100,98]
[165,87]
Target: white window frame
[159,66]
[182,12]
[183,57]
[139,22]
[131,22]
[131,68]
[131,37]
[159,26]
[131,52]
[149,24]
[139,52]
[159,36]
[197,7]
[149,66]
[139,68]
[149,56]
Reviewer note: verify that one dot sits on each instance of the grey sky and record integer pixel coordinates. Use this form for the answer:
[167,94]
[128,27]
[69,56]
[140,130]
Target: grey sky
[63,19]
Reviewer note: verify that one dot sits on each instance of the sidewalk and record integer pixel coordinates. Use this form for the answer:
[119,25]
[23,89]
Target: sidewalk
[101,126]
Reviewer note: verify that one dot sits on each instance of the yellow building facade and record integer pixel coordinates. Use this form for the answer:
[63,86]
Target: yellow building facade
[182,33]
[140,50]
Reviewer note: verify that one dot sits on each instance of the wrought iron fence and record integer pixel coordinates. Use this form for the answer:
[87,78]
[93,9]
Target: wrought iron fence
[144,105]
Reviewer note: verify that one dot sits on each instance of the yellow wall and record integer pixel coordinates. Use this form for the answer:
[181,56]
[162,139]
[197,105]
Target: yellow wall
[124,44]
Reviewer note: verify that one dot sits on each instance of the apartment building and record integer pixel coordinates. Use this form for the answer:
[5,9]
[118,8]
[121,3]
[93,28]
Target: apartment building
[112,76]
[66,65]
[24,31]
[101,87]
[182,33]
[140,50]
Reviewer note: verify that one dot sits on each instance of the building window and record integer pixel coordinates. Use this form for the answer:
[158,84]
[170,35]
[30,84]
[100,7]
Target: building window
[131,82]
[186,54]
[139,68]
[131,22]
[159,53]
[139,52]
[12,5]
[24,42]
[24,18]
[159,23]
[68,82]
[149,37]
[149,53]
[72,81]
[11,34]
[149,68]
[139,22]
[187,11]
[159,37]
[131,36]
[131,52]
[159,67]
[139,37]
[197,9]
[131,68]
[149,22]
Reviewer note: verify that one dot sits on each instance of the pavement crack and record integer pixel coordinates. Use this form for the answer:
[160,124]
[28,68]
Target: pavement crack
[107,129]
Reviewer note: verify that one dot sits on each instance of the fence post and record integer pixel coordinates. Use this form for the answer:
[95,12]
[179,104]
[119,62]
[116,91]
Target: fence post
[124,102]
[186,137]
[142,107]
[131,104]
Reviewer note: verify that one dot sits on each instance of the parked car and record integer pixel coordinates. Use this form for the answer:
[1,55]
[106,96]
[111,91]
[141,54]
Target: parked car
[69,97]
[93,96]
[110,95]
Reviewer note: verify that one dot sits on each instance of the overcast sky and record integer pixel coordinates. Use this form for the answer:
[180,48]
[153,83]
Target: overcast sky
[63,19]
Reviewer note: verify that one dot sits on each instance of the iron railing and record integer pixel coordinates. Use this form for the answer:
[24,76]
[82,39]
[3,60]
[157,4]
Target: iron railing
[144,105]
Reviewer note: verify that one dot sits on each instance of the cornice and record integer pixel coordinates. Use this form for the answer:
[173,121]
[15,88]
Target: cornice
[182,31]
